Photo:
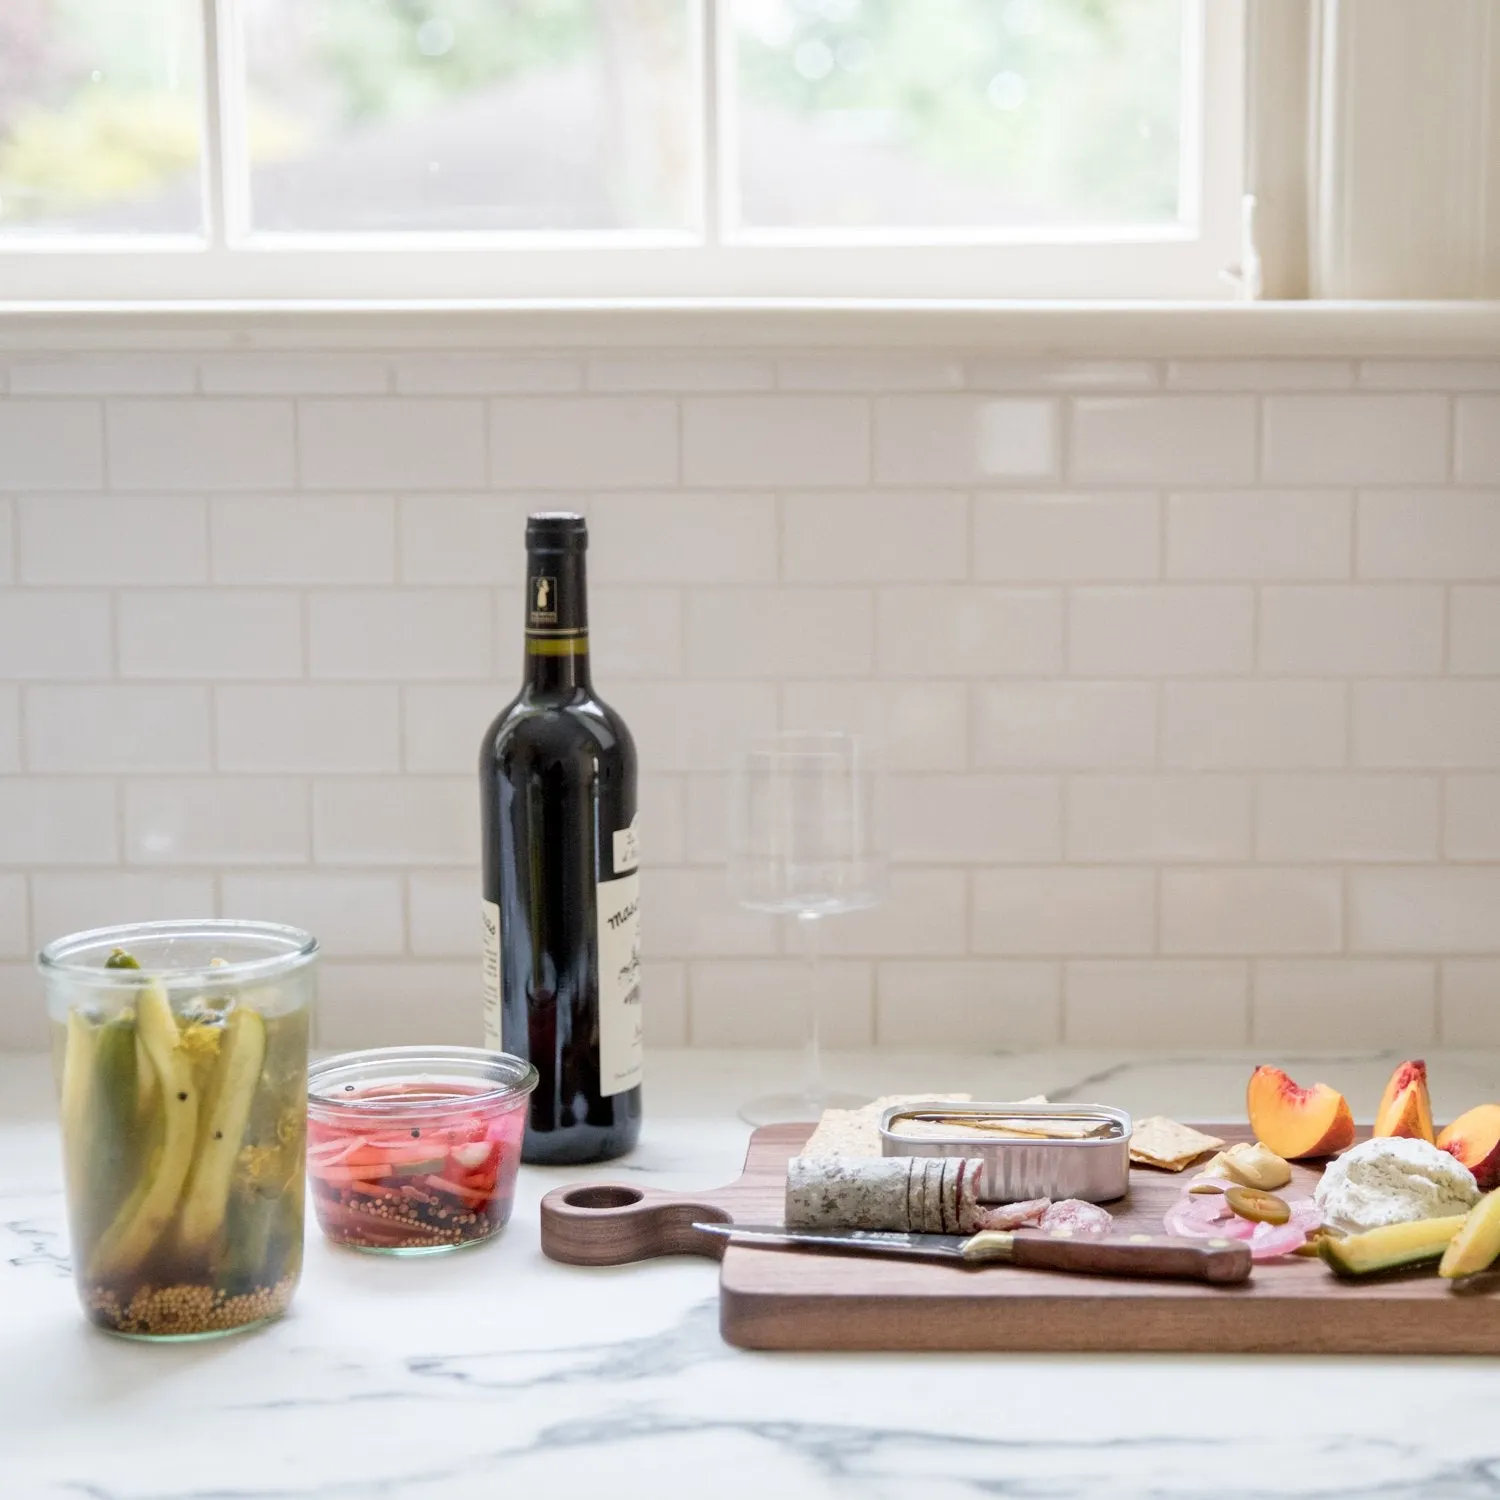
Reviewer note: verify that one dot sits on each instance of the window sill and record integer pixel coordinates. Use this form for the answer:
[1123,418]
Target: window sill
[1024,329]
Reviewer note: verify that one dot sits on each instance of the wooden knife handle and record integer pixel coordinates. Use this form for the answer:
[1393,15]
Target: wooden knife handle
[1133,1255]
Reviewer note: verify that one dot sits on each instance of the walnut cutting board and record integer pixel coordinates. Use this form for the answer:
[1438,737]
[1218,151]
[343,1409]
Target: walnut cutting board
[780,1299]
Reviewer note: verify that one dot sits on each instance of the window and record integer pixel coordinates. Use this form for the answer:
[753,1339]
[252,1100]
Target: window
[313,149]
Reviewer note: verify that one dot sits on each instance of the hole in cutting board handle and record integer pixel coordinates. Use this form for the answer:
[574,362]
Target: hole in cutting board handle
[603,1196]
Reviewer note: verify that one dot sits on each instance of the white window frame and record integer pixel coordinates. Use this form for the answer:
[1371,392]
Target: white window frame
[1183,262]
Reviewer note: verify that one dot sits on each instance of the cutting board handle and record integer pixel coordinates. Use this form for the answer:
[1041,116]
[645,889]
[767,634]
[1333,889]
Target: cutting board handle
[612,1223]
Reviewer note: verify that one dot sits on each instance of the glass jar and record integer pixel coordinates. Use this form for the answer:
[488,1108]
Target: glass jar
[414,1150]
[180,1050]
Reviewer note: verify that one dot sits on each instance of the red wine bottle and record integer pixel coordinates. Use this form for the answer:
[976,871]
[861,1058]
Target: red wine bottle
[561,911]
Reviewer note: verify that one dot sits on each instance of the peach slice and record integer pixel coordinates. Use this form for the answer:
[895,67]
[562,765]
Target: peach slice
[1474,1138]
[1296,1122]
[1406,1107]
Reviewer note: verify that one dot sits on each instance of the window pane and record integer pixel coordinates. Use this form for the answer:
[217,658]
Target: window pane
[977,113]
[100,104]
[400,115]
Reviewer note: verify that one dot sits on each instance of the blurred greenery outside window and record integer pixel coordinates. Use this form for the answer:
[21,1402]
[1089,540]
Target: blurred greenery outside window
[559,116]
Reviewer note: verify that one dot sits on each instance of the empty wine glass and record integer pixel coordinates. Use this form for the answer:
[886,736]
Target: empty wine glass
[806,841]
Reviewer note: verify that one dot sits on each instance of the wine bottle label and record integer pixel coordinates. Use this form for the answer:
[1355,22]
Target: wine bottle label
[628,847]
[490,916]
[619,907]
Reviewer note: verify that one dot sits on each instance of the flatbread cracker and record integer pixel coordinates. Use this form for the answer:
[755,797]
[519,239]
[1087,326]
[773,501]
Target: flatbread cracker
[1160,1142]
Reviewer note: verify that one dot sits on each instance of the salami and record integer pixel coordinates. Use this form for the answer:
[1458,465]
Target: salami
[1013,1215]
[910,1194]
[1077,1217]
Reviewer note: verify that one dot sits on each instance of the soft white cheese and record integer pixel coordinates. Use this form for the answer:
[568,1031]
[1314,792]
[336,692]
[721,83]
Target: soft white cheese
[1393,1180]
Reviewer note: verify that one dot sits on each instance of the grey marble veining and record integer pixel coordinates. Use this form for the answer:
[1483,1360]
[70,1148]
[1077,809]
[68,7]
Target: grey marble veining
[495,1373]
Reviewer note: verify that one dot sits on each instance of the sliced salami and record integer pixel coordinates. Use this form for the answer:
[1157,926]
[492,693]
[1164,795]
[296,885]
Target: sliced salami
[1077,1217]
[1013,1215]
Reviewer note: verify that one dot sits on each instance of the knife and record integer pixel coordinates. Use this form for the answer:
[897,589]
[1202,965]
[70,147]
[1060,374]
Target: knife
[1217,1260]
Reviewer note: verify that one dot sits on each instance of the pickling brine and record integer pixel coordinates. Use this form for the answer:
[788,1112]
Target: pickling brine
[181,1057]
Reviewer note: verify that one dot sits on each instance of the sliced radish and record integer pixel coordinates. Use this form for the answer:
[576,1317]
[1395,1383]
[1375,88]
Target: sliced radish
[473,1155]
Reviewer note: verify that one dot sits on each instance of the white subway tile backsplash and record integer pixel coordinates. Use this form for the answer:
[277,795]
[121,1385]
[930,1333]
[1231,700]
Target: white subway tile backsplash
[1275,535]
[293,375]
[948,819]
[955,1002]
[200,444]
[113,728]
[921,912]
[462,538]
[1067,537]
[964,439]
[785,633]
[969,632]
[685,915]
[61,821]
[869,372]
[10,728]
[1474,631]
[66,539]
[217,820]
[1195,1003]
[325,727]
[632,633]
[1329,1002]
[763,1003]
[775,440]
[403,634]
[1064,725]
[52,633]
[352,916]
[483,374]
[1361,439]
[1158,819]
[211,636]
[1250,726]
[1045,912]
[916,726]
[51,445]
[683,538]
[407,820]
[1341,630]
[583,442]
[1251,911]
[694,726]
[306,539]
[1471,817]
[443,910]
[1427,725]
[875,538]
[1453,910]
[1124,810]
[674,373]
[1429,534]
[90,376]
[61,904]
[1468,1015]
[390,443]
[15,926]
[1183,631]
[1163,440]
[1477,460]
[442,725]
[1347,819]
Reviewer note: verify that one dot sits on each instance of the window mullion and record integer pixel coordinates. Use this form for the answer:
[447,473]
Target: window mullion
[710,145]
[215,205]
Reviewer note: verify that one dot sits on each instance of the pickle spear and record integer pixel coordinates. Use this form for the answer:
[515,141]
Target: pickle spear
[139,1224]
[231,1093]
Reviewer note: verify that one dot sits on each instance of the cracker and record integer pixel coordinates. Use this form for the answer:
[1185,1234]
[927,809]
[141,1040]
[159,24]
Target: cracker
[856,1132]
[1160,1142]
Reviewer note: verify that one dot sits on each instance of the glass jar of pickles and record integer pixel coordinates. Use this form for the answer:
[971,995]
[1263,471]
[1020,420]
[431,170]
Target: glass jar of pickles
[181,1057]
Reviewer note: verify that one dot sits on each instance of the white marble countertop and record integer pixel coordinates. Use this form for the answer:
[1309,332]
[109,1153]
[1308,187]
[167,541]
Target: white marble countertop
[496,1373]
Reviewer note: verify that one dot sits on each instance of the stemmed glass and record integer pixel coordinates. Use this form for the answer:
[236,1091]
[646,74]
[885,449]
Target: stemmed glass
[806,841]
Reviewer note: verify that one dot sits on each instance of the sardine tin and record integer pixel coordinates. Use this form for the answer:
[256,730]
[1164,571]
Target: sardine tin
[1015,1169]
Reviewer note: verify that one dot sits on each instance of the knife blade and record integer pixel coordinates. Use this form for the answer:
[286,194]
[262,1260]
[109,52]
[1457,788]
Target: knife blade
[1221,1261]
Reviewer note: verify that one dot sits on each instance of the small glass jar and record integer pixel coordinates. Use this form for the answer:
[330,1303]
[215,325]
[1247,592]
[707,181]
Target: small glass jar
[180,1050]
[414,1150]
